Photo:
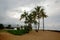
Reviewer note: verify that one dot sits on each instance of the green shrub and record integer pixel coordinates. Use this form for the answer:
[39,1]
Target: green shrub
[1,26]
[17,32]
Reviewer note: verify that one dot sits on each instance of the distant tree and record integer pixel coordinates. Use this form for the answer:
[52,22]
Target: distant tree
[1,26]
[9,26]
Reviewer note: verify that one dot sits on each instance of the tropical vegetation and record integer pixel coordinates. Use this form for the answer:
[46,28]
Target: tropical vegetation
[30,18]
[34,17]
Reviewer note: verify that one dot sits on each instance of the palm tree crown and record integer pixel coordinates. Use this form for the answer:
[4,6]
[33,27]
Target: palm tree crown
[24,15]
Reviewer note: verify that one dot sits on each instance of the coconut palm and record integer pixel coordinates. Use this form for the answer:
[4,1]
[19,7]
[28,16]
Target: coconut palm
[43,15]
[34,16]
[24,15]
[28,19]
[37,10]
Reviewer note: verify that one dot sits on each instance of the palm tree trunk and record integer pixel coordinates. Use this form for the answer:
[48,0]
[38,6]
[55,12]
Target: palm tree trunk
[43,23]
[38,23]
[35,25]
[30,26]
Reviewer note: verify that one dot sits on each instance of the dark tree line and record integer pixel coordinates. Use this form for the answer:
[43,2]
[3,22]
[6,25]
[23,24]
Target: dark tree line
[1,26]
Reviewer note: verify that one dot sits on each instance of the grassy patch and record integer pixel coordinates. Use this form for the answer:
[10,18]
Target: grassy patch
[2,30]
[17,32]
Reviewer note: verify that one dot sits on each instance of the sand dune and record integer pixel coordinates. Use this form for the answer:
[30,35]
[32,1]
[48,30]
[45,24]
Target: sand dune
[46,35]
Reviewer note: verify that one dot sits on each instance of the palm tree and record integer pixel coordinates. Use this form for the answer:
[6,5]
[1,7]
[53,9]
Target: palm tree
[24,15]
[28,19]
[34,16]
[38,14]
[43,15]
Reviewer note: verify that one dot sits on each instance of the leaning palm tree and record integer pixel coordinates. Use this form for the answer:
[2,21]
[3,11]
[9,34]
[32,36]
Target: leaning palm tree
[38,14]
[28,19]
[43,15]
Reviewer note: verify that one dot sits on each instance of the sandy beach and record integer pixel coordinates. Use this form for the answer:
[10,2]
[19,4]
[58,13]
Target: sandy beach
[46,35]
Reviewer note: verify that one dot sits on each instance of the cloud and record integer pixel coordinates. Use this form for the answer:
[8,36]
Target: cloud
[10,11]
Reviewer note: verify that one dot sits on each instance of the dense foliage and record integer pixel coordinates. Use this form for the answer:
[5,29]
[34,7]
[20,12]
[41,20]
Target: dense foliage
[17,32]
[1,26]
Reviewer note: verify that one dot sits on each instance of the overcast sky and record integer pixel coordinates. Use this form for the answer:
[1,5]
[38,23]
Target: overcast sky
[10,11]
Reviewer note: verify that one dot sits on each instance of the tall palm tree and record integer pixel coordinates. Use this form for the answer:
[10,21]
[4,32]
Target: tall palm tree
[28,19]
[38,14]
[34,16]
[43,15]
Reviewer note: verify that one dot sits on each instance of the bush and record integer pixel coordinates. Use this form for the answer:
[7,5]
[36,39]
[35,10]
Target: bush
[20,31]
[17,32]
[1,26]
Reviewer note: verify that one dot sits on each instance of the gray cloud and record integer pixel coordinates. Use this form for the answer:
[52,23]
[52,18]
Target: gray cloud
[9,8]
